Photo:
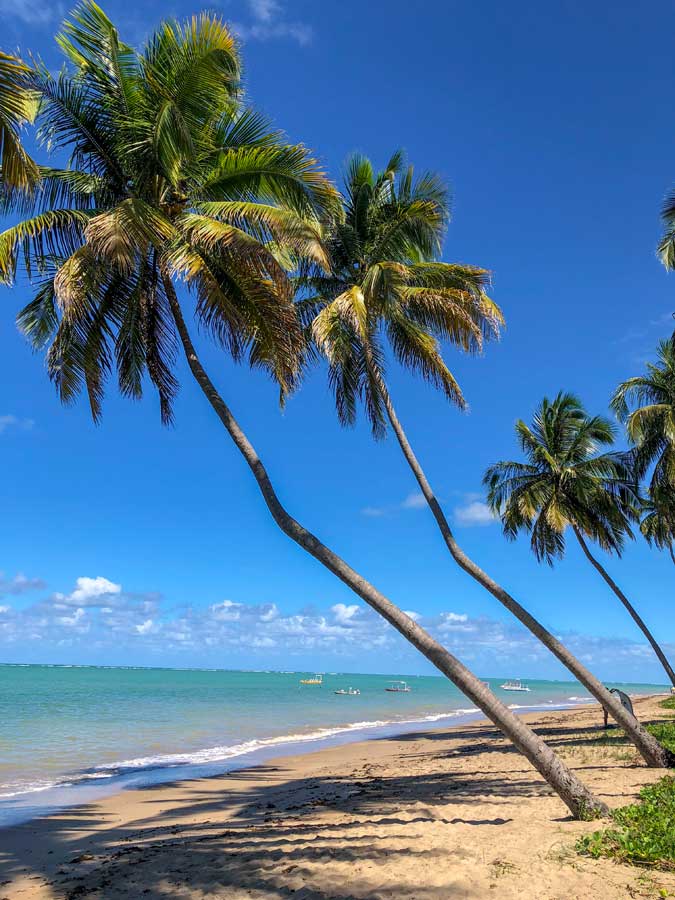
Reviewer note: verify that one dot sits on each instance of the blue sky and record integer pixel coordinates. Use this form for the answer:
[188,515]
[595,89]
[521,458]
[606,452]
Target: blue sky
[133,543]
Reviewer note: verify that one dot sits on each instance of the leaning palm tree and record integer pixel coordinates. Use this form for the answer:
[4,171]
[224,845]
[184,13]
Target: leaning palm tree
[651,422]
[387,283]
[658,519]
[17,107]
[567,483]
[169,181]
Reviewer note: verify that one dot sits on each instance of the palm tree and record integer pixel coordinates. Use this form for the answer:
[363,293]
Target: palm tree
[386,282]
[169,179]
[17,107]
[658,522]
[566,483]
[651,423]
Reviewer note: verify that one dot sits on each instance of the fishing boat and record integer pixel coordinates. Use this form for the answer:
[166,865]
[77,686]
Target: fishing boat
[350,692]
[316,679]
[398,687]
[516,685]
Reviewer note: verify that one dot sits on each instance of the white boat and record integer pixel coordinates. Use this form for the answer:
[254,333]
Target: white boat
[350,692]
[515,686]
[398,687]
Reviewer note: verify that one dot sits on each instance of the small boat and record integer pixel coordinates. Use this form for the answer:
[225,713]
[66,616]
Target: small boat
[317,679]
[515,686]
[350,692]
[398,687]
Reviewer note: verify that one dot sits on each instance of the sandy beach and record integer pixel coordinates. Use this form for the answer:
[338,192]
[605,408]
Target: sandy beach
[452,813]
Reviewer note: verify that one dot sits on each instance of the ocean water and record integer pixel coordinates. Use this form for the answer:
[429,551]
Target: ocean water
[75,727]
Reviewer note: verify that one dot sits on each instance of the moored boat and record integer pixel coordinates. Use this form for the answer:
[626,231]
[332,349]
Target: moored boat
[515,685]
[398,687]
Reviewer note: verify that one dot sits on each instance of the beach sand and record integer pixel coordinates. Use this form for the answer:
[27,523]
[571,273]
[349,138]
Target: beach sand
[452,813]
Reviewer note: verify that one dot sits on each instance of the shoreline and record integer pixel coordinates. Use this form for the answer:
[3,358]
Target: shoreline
[86,787]
[457,800]
[96,783]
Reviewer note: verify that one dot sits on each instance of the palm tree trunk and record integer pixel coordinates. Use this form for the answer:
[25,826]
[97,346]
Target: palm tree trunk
[564,782]
[629,606]
[651,750]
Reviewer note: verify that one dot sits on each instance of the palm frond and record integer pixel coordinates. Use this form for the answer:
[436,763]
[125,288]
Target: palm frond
[18,105]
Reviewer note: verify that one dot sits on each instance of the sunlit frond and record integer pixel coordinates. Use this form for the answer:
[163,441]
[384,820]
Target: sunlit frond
[18,105]
[162,175]
[53,233]
[384,249]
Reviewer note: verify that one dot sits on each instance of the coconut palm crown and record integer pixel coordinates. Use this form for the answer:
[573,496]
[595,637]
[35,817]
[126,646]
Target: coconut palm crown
[658,519]
[651,422]
[386,282]
[565,482]
[168,178]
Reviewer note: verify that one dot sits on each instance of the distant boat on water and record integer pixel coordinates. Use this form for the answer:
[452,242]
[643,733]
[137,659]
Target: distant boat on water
[515,685]
[316,679]
[398,687]
[350,692]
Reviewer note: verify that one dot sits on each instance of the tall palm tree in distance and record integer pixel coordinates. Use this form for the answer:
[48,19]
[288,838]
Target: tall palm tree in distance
[566,483]
[17,107]
[170,181]
[658,519]
[646,403]
[386,283]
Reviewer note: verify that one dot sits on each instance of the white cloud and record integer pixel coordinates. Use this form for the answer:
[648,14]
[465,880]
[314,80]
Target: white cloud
[454,622]
[269,23]
[264,10]
[344,615]
[473,513]
[8,421]
[74,620]
[412,501]
[89,592]
[108,620]
[19,584]
[30,12]
[227,611]
[373,511]
[263,642]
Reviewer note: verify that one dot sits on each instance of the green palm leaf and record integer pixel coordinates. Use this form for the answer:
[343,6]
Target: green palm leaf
[646,404]
[166,177]
[564,482]
[385,283]
[18,106]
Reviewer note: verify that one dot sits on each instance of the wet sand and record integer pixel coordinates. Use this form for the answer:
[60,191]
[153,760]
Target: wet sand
[434,815]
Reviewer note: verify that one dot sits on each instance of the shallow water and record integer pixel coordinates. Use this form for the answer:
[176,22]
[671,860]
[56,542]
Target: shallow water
[65,726]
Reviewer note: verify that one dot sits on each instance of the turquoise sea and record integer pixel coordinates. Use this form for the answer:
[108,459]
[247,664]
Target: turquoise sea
[70,731]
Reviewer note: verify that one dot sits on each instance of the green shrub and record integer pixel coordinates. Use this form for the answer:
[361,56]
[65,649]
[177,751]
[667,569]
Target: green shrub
[643,834]
[664,732]
[668,704]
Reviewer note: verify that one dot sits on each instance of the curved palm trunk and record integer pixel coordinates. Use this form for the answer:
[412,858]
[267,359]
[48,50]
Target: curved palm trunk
[564,782]
[629,606]
[652,752]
